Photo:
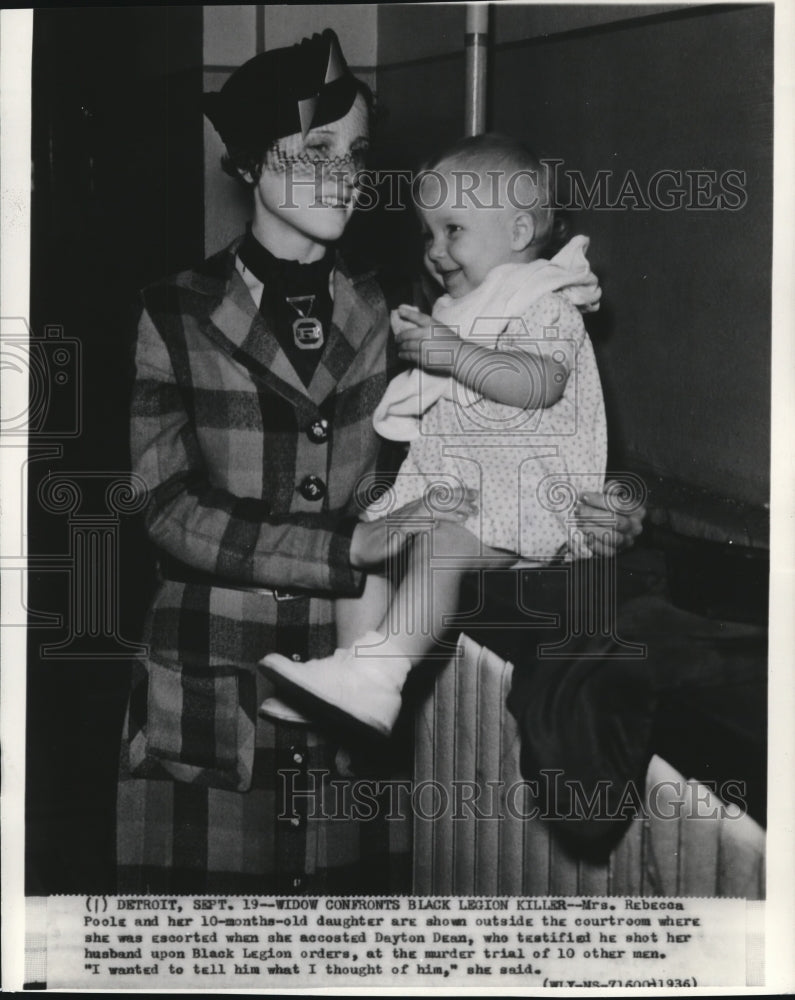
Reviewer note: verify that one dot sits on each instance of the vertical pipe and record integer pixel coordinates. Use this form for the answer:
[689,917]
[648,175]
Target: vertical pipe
[476,42]
[259,30]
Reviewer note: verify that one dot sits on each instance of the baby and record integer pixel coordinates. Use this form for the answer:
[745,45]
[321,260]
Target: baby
[502,408]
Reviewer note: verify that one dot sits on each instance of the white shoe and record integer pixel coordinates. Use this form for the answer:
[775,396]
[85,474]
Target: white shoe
[275,708]
[360,689]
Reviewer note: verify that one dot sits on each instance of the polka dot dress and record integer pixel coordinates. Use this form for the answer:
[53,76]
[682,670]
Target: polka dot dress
[527,465]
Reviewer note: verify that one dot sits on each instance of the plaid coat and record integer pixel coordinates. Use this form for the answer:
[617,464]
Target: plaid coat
[253,481]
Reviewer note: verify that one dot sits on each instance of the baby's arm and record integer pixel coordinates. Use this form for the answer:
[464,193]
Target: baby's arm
[527,380]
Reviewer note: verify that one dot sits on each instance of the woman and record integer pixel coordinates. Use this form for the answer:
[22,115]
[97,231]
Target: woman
[256,378]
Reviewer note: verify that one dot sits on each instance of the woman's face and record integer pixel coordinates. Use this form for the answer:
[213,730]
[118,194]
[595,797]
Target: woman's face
[306,194]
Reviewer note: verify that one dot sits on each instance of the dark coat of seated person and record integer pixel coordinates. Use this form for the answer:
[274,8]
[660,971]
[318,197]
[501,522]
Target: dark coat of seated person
[653,679]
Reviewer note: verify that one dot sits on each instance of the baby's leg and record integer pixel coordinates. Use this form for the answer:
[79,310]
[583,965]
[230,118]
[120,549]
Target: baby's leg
[429,592]
[363,683]
[357,615]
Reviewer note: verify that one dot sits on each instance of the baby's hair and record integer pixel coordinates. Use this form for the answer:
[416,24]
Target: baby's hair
[492,151]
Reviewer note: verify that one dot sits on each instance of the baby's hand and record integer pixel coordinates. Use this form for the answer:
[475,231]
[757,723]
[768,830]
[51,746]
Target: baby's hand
[424,343]
[406,317]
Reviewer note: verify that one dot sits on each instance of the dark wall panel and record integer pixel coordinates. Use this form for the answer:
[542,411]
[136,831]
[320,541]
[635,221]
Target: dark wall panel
[684,340]
[422,107]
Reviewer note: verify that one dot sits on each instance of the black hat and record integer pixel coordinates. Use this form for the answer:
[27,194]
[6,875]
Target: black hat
[282,92]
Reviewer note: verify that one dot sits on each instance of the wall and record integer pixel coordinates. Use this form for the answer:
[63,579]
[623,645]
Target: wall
[514,22]
[683,339]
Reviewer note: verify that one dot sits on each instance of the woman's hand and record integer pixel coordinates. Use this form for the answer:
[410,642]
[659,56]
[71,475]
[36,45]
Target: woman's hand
[373,543]
[423,342]
[607,537]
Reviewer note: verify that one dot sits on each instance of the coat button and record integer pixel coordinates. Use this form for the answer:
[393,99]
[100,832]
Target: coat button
[312,488]
[317,432]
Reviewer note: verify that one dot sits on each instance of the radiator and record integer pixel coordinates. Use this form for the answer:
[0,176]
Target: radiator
[465,735]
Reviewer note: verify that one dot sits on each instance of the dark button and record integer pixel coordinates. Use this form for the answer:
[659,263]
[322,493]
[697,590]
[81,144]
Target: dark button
[312,488]
[317,432]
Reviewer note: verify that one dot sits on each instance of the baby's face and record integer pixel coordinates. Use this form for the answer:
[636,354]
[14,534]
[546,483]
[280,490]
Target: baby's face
[463,242]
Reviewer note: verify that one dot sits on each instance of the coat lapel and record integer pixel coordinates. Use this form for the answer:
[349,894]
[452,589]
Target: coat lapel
[233,321]
[352,320]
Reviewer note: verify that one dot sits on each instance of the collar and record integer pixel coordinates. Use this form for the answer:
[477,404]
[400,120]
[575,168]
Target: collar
[217,275]
[290,274]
